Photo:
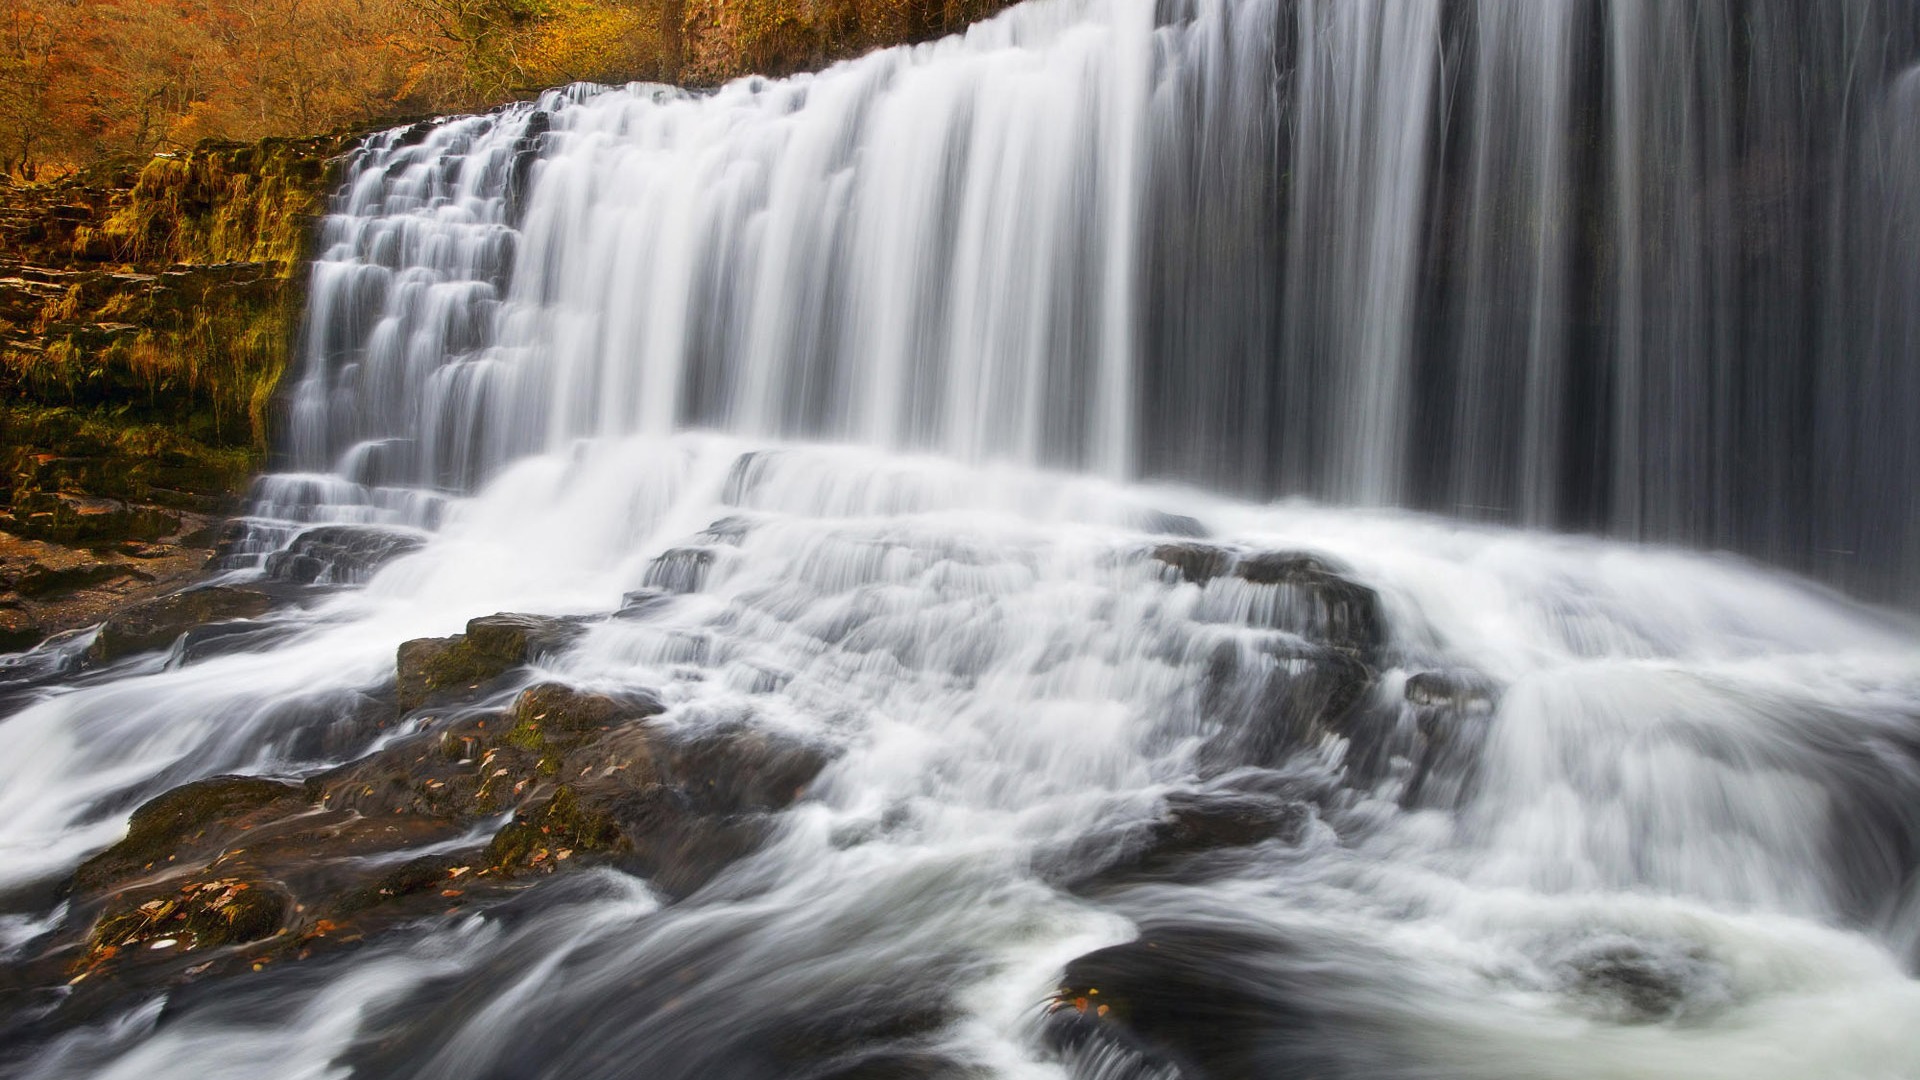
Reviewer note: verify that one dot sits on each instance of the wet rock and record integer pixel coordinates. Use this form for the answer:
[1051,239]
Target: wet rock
[491,647]
[713,804]
[299,868]
[1273,699]
[1209,821]
[1316,601]
[201,915]
[339,554]
[155,624]
[552,832]
[730,530]
[1197,563]
[680,570]
[1624,981]
[1452,711]
[1192,825]
[19,631]
[1311,598]
[1457,689]
[1202,1003]
[43,581]
[161,826]
[744,477]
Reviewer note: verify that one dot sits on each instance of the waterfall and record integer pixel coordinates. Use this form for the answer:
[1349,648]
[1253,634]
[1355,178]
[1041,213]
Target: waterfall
[1403,451]
[1620,267]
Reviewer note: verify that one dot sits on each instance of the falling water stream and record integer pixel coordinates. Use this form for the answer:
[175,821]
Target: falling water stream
[1575,331]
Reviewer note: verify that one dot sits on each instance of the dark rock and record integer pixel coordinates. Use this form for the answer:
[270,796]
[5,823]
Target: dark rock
[1634,982]
[1204,1003]
[1316,601]
[1197,563]
[713,804]
[745,476]
[730,530]
[1312,599]
[324,864]
[1452,711]
[19,632]
[680,570]
[83,519]
[556,718]
[339,554]
[553,832]
[1193,824]
[1467,691]
[1272,700]
[642,604]
[491,647]
[42,581]
[157,623]
[164,823]
[1208,821]
[201,915]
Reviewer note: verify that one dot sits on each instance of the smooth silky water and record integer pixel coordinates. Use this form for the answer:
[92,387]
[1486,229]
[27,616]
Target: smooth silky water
[957,335]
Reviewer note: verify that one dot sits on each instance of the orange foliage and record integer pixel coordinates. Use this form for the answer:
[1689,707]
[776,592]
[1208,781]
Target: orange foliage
[85,79]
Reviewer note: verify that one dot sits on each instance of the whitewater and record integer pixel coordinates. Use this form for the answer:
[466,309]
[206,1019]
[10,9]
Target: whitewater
[943,361]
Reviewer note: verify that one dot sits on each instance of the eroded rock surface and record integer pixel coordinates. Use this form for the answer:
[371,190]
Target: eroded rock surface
[234,873]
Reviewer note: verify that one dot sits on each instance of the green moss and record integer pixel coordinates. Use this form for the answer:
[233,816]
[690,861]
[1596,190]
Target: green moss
[160,825]
[197,340]
[559,829]
[202,915]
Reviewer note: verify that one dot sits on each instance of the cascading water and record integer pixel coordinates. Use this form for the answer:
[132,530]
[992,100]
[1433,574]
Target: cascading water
[849,408]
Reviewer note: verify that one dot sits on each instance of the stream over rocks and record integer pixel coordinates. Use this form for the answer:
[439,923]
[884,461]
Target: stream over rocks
[779,583]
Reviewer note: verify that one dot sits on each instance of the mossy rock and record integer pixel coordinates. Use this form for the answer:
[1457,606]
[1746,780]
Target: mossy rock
[201,915]
[157,623]
[63,518]
[551,833]
[164,823]
[416,876]
[491,647]
[554,717]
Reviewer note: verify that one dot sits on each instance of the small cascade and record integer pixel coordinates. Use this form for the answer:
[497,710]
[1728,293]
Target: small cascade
[1105,547]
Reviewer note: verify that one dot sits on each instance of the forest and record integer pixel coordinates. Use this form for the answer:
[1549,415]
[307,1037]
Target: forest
[84,80]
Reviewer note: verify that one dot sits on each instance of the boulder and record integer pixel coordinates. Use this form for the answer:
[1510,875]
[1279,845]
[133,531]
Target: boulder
[491,647]
[1271,699]
[1311,598]
[1192,825]
[1198,1002]
[162,825]
[66,518]
[1315,601]
[1196,563]
[155,624]
[290,869]
[200,915]
[339,554]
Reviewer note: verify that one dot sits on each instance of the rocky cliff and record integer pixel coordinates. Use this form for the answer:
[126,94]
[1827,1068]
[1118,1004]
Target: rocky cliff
[147,310]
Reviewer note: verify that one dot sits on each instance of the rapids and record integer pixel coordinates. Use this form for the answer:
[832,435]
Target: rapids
[951,340]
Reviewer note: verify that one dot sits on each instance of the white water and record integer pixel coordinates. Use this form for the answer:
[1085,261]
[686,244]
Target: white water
[1681,745]
[1708,764]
